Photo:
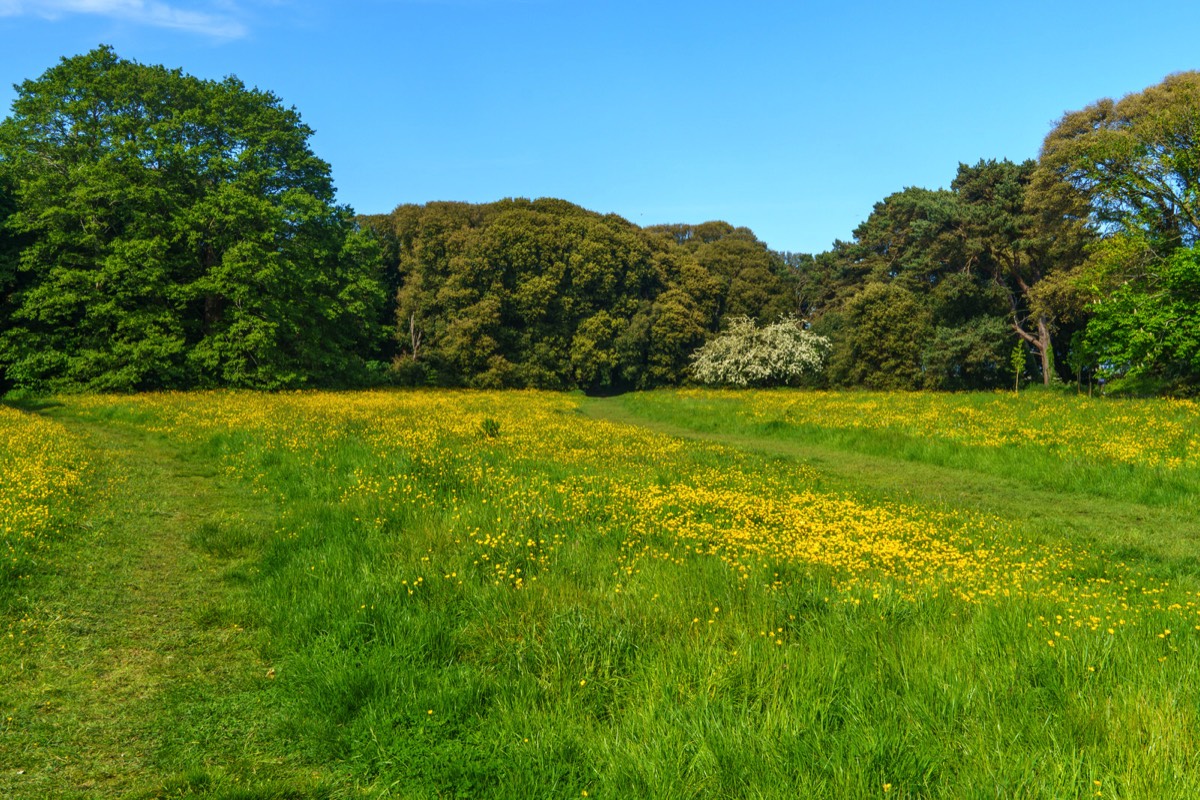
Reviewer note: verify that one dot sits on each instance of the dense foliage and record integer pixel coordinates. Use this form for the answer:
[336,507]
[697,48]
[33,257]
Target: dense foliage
[1085,256]
[936,284]
[546,294]
[175,232]
[1136,161]
[1150,328]
[157,230]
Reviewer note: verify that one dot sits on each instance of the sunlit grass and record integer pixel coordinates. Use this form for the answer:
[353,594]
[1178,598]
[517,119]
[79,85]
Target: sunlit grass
[490,594]
[43,469]
[1140,450]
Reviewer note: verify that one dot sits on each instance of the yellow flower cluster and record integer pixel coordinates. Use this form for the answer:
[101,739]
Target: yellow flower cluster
[519,502]
[1146,433]
[41,469]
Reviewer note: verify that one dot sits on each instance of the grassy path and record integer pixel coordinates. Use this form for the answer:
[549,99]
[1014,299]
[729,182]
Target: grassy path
[140,672]
[1164,535]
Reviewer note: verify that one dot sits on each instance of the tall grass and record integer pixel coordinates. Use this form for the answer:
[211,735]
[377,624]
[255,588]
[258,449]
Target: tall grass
[44,470]
[545,606]
[1145,451]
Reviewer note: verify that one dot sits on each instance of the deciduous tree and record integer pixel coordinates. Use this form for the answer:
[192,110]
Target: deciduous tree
[884,331]
[745,354]
[1137,160]
[176,232]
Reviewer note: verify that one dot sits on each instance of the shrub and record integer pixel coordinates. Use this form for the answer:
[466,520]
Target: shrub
[747,355]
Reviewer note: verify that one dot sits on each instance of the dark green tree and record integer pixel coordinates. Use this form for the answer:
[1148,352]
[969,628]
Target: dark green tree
[921,246]
[813,281]
[913,237]
[544,293]
[752,280]
[678,318]
[883,331]
[1029,241]
[177,232]
[9,250]
[518,292]
[9,255]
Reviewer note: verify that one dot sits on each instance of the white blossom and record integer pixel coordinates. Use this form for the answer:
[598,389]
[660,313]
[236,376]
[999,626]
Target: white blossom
[747,355]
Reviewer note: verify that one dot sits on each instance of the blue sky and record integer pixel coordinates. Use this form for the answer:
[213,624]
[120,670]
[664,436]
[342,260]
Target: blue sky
[791,118]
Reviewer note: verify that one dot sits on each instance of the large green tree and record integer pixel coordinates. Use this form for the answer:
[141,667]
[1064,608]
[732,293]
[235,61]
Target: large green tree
[8,264]
[884,328]
[1142,331]
[8,249]
[516,293]
[1137,161]
[1013,237]
[1137,165]
[920,246]
[176,232]
[983,262]
[752,280]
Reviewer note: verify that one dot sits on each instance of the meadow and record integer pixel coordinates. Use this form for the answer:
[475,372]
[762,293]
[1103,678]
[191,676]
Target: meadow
[681,594]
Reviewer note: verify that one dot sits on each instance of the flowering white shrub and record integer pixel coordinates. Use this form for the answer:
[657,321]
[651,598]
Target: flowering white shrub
[747,355]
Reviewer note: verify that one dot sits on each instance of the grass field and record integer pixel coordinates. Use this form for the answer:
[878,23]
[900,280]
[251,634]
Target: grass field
[676,594]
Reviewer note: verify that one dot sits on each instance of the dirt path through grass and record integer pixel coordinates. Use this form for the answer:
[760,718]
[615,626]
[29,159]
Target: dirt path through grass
[143,673]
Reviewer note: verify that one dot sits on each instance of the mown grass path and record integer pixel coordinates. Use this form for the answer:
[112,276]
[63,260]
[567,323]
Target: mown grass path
[142,673]
[1164,535]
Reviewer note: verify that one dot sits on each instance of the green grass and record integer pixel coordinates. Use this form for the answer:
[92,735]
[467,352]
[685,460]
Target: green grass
[240,545]
[1136,513]
[860,422]
[134,664]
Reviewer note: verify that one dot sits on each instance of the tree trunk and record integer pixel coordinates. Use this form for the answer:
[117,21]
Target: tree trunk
[1045,350]
[1042,345]
[213,304]
[212,311]
[414,335]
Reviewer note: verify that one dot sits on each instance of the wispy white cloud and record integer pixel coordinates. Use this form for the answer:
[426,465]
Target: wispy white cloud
[220,22]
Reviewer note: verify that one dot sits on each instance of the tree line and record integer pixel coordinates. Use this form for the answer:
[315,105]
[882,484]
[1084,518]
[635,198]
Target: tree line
[546,294]
[162,231]
[1085,259]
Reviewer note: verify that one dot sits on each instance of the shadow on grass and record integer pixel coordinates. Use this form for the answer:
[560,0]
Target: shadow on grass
[33,405]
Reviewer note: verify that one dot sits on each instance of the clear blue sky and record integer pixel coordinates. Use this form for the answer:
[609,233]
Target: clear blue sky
[791,118]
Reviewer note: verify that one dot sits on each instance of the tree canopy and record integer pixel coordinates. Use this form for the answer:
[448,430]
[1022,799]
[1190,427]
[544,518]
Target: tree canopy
[175,232]
[936,284]
[546,294]
[1136,160]
[162,231]
[1136,163]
